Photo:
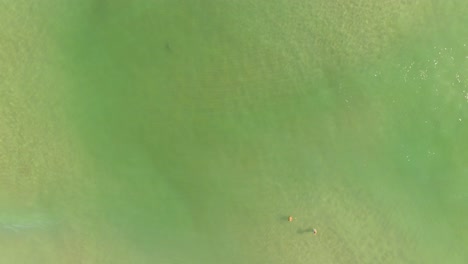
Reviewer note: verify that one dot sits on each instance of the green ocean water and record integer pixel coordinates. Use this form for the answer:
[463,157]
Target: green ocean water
[188,131]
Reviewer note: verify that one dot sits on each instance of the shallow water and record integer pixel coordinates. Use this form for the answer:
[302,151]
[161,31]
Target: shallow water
[187,132]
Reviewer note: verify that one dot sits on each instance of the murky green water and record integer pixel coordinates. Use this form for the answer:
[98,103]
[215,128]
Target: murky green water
[188,131]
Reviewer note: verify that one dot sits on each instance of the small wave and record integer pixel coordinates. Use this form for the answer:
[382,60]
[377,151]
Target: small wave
[25,223]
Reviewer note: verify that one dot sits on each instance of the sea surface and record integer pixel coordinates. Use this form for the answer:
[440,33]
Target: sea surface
[176,132]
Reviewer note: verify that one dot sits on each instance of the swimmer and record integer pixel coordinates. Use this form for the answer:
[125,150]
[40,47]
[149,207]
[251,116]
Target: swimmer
[290,218]
[315,231]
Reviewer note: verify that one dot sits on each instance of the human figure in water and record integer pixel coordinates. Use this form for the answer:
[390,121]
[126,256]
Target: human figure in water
[290,219]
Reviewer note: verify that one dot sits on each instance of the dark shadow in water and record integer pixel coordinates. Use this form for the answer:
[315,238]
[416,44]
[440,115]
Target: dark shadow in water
[306,230]
[283,218]
[168,47]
